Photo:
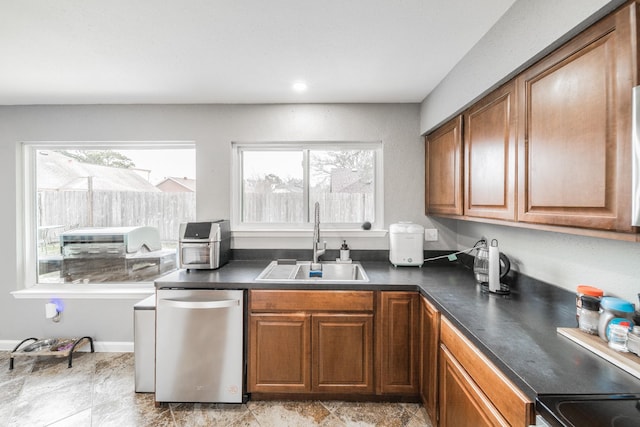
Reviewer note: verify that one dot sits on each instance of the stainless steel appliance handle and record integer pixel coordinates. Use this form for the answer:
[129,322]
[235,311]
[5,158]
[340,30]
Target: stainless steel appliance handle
[635,157]
[180,303]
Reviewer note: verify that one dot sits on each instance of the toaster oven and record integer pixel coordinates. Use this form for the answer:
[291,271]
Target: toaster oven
[204,245]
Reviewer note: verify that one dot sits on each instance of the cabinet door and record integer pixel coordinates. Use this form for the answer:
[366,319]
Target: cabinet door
[443,169]
[429,339]
[574,130]
[279,353]
[398,341]
[342,346]
[490,156]
[486,380]
[462,403]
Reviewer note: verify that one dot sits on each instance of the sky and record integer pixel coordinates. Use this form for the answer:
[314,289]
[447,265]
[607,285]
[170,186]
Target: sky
[285,164]
[178,163]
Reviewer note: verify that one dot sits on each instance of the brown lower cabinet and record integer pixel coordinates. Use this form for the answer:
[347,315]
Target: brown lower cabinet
[342,355]
[463,402]
[398,343]
[429,343]
[280,360]
[472,391]
[366,343]
[311,342]
[322,342]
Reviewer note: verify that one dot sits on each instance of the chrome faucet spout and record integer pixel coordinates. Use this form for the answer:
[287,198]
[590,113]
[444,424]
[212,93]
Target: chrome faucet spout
[316,235]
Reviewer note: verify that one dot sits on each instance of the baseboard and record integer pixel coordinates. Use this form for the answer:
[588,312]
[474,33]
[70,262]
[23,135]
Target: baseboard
[99,346]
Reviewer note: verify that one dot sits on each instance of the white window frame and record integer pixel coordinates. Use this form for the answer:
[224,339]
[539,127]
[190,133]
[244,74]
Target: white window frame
[27,225]
[246,229]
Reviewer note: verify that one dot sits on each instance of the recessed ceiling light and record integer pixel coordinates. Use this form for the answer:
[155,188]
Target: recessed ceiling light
[299,86]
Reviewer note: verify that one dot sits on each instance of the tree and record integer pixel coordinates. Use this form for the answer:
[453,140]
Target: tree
[268,184]
[109,158]
[361,162]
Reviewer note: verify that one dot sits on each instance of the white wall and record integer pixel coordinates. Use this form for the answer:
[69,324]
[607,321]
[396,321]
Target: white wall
[212,127]
[528,28]
[564,260]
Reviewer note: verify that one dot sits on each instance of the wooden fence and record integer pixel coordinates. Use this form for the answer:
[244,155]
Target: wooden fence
[165,211]
[289,207]
[73,209]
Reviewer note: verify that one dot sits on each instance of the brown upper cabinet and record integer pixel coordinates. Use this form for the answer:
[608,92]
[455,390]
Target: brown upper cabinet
[552,147]
[575,130]
[443,169]
[490,156]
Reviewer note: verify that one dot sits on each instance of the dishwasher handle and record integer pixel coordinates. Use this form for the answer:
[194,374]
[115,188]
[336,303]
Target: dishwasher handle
[190,304]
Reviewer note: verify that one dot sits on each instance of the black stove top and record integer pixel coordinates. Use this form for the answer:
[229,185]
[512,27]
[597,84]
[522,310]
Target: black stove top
[578,410]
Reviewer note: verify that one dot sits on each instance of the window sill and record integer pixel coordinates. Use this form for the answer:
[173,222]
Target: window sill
[133,291]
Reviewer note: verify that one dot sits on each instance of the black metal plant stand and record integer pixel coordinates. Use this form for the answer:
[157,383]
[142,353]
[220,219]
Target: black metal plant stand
[56,347]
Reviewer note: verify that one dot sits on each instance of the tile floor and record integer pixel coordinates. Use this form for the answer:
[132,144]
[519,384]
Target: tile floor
[99,391]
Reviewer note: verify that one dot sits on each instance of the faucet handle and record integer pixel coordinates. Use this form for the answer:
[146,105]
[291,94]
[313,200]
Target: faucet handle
[321,252]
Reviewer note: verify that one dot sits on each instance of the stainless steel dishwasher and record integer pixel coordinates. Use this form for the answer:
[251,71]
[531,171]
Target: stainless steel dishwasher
[199,345]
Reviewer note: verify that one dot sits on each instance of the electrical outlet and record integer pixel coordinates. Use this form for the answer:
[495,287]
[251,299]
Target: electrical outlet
[431,235]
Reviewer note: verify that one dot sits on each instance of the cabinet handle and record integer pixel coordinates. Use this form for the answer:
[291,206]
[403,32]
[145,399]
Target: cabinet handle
[177,303]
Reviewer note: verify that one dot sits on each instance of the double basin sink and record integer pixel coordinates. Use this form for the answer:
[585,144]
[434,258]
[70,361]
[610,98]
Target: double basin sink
[290,271]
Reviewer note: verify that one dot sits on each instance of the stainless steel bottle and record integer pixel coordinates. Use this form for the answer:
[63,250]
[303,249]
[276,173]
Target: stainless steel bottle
[481,263]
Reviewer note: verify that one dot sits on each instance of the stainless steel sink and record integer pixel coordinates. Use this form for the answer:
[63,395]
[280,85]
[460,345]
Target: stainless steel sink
[299,272]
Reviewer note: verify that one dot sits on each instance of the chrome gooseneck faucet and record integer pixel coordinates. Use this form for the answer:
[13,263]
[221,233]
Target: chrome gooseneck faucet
[316,235]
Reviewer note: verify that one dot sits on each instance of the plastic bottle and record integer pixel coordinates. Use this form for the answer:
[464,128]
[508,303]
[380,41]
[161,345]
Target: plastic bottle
[614,308]
[589,314]
[586,290]
[344,251]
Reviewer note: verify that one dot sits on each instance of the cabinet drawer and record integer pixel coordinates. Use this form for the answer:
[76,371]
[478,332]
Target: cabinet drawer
[513,405]
[279,300]
[463,404]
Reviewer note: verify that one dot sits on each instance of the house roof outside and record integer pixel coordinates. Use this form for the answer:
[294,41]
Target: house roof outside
[349,181]
[173,184]
[57,172]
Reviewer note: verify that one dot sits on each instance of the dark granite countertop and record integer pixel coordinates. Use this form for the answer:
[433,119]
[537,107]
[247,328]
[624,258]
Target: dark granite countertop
[517,332]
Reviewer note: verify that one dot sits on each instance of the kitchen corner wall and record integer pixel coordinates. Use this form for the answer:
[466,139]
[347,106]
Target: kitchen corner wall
[528,30]
[564,260]
[213,128]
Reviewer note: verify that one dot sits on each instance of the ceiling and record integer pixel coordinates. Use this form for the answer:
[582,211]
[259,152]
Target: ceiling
[234,51]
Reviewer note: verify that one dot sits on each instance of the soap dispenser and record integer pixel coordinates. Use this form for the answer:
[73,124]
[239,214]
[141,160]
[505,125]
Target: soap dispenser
[344,252]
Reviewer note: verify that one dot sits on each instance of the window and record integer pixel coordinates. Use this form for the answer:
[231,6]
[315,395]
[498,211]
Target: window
[105,213]
[277,185]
